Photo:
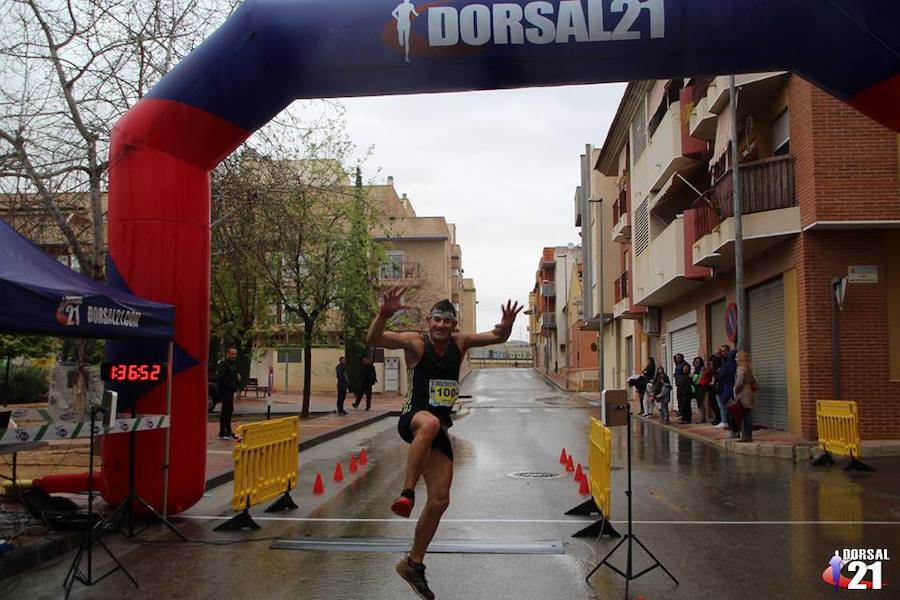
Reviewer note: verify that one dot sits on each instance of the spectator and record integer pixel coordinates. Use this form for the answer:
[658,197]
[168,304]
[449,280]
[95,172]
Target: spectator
[726,391]
[662,391]
[648,373]
[745,388]
[682,386]
[697,390]
[707,381]
[640,390]
[721,398]
[228,379]
[368,378]
[340,372]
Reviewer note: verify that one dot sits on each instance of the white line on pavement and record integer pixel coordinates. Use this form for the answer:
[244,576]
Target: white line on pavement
[524,411]
[401,521]
[551,410]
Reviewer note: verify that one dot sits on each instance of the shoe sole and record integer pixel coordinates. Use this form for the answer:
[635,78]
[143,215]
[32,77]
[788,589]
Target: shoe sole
[401,509]
[411,584]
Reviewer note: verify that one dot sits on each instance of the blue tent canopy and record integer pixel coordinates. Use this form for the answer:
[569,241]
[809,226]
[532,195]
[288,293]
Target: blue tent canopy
[39,295]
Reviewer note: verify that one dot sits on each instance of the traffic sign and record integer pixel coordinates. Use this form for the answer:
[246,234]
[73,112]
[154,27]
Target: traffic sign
[731,322]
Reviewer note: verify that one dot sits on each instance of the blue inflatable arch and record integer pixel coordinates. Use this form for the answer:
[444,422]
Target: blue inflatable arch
[271,52]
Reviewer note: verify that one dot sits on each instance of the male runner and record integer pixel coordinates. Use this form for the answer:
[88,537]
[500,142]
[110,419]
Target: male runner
[435,358]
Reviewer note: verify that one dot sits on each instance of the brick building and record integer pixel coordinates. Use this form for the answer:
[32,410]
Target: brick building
[821,200]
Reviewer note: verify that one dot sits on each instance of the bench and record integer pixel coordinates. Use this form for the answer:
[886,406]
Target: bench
[252,385]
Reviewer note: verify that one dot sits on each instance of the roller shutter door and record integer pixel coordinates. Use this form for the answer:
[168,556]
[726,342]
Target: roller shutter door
[684,341]
[766,312]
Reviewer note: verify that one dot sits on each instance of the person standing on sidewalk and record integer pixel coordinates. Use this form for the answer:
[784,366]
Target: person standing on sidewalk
[745,388]
[435,358]
[648,373]
[340,371]
[228,379]
[721,375]
[662,391]
[697,390]
[682,382]
[368,378]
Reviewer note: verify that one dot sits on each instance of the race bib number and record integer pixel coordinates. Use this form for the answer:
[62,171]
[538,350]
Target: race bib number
[443,392]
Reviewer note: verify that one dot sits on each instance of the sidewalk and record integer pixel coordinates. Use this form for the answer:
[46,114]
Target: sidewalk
[324,424]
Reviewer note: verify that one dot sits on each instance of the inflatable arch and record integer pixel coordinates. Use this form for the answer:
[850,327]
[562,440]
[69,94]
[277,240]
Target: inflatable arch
[271,52]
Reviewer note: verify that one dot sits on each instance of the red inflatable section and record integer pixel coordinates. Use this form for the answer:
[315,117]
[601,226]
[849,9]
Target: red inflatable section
[159,241]
[881,102]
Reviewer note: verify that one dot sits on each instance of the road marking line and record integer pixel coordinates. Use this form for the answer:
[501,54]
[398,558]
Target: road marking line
[537,521]
[551,410]
[594,403]
[494,410]
[523,411]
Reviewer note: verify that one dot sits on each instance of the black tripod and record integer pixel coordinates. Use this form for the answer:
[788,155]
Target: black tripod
[628,574]
[93,528]
[126,511]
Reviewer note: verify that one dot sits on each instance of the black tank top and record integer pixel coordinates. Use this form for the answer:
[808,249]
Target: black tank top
[427,376]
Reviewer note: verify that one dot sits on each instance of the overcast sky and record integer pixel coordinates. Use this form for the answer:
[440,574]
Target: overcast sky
[502,165]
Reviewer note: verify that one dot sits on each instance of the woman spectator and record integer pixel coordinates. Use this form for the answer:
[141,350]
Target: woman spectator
[683,392]
[745,388]
[662,391]
[697,390]
[648,373]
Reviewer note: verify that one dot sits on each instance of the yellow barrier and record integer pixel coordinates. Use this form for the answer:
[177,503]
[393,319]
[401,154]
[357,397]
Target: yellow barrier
[265,461]
[838,424]
[600,465]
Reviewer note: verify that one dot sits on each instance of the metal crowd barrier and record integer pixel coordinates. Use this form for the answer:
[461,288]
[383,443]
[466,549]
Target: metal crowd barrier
[265,466]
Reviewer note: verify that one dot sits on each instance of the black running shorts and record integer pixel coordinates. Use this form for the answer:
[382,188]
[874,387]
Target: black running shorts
[441,441]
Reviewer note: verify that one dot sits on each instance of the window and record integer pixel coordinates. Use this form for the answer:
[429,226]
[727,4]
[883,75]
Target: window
[641,235]
[639,132]
[392,268]
[781,134]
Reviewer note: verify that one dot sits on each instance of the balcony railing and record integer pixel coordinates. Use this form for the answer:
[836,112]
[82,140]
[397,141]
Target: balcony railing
[392,271]
[548,321]
[766,184]
[620,206]
[621,287]
[548,290]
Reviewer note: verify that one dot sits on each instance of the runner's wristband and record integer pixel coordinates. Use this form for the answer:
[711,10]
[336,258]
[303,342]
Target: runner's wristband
[387,314]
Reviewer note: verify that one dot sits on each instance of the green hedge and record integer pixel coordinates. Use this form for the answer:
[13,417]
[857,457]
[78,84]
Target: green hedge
[26,384]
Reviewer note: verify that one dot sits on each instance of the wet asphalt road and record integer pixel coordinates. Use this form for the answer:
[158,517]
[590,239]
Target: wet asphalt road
[728,526]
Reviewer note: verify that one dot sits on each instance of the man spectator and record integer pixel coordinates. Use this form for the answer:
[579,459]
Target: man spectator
[723,385]
[368,378]
[227,380]
[682,388]
[340,372]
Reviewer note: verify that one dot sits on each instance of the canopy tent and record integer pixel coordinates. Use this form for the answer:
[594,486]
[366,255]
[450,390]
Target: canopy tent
[40,295]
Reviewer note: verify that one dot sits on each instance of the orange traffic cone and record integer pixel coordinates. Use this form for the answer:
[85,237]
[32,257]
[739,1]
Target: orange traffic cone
[579,474]
[585,488]
[338,472]
[353,466]
[562,457]
[318,486]
[363,459]
[570,466]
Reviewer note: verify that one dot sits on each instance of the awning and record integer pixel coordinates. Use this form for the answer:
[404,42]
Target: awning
[723,134]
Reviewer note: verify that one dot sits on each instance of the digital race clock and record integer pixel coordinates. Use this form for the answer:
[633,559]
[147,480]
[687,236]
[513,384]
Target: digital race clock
[133,373]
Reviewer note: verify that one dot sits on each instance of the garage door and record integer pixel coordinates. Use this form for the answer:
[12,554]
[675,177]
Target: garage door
[766,312]
[684,341]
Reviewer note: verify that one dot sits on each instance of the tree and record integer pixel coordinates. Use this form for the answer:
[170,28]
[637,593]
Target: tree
[358,283]
[24,346]
[70,70]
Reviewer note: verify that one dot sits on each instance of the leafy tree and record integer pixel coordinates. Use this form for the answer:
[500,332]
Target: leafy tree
[24,346]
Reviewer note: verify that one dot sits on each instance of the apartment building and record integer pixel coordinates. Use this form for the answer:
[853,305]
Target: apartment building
[557,270]
[821,201]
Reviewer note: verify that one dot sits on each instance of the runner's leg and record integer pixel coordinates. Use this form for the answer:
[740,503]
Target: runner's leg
[425,427]
[438,474]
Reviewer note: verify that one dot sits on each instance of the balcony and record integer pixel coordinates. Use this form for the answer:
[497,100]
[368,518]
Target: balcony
[769,212]
[548,321]
[621,231]
[663,271]
[624,308]
[702,121]
[755,87]
[397,273]
[548,290]
[664,154]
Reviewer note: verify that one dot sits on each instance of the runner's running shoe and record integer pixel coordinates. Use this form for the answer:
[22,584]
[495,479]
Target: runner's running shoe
[414,574]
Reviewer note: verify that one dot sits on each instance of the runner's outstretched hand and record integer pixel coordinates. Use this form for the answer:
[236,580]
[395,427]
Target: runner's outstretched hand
[510,311]
[392,301]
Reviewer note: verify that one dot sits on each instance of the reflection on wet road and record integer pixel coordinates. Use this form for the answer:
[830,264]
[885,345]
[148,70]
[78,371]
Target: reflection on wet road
[727,525]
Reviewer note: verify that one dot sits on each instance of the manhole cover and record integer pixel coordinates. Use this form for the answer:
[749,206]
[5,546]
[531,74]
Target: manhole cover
[533,475]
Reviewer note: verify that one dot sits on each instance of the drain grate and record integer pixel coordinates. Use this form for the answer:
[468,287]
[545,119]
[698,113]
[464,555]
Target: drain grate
[533,475]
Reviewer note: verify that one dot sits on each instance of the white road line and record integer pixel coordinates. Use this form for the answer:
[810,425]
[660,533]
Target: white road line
[538,521]
[494,410]
[594,403]
[523,411]
[551,410]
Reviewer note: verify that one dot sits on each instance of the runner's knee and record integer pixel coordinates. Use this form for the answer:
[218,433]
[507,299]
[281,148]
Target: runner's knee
[439,503]
[427,426]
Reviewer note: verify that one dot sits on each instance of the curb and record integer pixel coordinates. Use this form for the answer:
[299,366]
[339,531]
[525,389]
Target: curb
[796,453]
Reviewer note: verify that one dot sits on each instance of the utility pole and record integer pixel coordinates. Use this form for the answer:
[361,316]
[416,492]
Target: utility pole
[740,295]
